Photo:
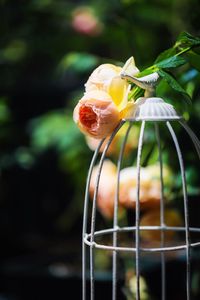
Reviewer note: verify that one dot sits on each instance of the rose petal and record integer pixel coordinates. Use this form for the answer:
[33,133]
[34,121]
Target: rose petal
[117,90]
[101,77]
[128,111]
[129,67]
[96,114]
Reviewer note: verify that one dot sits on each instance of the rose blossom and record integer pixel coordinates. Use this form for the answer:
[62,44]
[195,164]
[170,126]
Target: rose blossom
[104,103]
[150,187]
[102,76]
[152,218]
[96,114]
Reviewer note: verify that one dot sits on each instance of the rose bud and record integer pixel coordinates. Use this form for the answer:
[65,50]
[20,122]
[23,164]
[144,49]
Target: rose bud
[96,114]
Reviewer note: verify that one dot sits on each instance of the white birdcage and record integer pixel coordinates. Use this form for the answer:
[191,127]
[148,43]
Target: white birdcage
[154,111]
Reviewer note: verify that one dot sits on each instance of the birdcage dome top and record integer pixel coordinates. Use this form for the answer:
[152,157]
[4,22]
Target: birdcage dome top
[155,109]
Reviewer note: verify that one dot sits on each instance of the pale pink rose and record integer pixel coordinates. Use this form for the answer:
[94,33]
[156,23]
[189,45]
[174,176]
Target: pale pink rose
[96,114]
[84,21]
[106,190]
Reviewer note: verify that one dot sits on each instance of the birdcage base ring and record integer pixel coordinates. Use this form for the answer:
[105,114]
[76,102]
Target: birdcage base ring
[100,233]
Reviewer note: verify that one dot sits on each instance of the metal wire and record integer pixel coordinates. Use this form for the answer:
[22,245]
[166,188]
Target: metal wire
[186,211]
[162,217]
[137,213]
[85,216]
[93,217]
[115,217]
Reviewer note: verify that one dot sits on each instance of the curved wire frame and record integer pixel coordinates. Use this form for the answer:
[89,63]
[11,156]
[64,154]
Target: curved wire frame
[88,238]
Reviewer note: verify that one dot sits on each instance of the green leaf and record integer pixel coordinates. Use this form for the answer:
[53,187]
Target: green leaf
[147,71]
[185,40]
[165,54]
[173,83]
[172,62]
[78,61]
[197,50]
[193,59]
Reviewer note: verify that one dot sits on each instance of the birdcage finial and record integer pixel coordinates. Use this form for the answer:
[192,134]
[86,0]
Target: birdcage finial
[149,107]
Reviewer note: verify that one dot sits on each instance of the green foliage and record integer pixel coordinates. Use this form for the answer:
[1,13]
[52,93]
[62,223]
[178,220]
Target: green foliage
[79,62]
[173,58]
[173,83]
[171,62]
[186,40]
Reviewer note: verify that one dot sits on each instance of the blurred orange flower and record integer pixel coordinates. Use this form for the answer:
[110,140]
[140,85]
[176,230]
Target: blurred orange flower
[149,188]
[152,218]
[106,191]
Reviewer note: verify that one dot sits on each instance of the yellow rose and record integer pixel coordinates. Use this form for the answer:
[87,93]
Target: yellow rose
[107,78]
[105,101]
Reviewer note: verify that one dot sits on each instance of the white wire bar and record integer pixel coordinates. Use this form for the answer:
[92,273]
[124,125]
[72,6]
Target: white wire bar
[94,206]
[162,217]
[142,249]
[115,216]
[85,217]
[137,213]
[186,212]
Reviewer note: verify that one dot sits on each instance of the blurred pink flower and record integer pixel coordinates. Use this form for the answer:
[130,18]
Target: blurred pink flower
[85,22]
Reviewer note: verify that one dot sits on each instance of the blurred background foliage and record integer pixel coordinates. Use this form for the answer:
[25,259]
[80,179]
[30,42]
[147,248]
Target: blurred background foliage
[48,50]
